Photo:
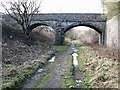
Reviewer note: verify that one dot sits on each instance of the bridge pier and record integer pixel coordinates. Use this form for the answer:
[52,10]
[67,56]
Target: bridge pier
[59,37]
[102,39]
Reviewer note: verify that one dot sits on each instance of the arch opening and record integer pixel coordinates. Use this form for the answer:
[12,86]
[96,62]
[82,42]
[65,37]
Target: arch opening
[83,24]
[43,33]
[83,35]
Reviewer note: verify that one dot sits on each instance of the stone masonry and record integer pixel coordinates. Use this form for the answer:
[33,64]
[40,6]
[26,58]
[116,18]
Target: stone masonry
[62,22]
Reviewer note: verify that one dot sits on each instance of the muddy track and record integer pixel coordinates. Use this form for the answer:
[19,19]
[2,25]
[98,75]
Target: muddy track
[60,67]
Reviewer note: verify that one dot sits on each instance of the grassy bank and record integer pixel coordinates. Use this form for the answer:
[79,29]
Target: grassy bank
[99,72]
[14,76]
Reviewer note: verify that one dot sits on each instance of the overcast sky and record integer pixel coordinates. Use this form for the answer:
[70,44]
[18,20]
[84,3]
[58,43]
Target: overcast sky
[68,6]
[72,6]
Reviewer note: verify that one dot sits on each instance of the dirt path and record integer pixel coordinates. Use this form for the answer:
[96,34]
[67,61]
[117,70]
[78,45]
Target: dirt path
[53,74]
[60,69]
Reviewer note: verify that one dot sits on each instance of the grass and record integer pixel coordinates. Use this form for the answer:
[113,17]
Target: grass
[81,59]
[45,78]
[77,43]
[69,80]
[17,79]
[96,70]
[20,76]
[86,83]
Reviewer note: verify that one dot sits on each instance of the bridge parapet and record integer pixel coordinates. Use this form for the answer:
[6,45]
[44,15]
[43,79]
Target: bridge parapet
[71,17]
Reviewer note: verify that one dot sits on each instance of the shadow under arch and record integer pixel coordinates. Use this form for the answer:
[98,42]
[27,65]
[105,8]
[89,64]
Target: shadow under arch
[83,24]
[38,24]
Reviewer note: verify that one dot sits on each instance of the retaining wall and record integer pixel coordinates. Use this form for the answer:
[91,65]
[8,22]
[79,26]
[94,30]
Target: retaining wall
[113,29]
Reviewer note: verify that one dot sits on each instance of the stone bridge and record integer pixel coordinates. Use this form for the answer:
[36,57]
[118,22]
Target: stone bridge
[62,22]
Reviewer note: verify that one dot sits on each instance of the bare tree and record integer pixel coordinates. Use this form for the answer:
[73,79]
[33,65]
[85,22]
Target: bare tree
[23,12]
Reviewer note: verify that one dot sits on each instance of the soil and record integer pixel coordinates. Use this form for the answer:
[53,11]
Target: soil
[60,69]
[18,51]
[17,48]
[63,64]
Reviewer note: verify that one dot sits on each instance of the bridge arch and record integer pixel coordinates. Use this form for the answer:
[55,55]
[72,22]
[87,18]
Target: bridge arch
[97,26]
[38,24]
[87,24]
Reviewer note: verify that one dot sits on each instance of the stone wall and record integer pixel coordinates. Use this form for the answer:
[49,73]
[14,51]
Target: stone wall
[71,17]
[119,32]
[63,22]
[112,31]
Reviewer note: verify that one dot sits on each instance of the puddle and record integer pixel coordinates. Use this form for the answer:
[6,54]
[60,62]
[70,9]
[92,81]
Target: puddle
[78,76]
[40,70]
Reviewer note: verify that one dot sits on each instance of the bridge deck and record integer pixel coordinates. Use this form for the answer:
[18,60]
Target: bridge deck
[71,17]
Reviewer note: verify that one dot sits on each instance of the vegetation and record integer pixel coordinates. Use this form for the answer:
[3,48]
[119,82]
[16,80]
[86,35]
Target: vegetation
[15,75]
[69,78]
[81,36]
[97,69]
[113,9]
[23,12]
[77,42]
[60,50]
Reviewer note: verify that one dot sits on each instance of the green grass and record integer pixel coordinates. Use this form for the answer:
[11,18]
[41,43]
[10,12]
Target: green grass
[45,78]
[76,42]
[82,61]
[13,81]
[69,80]
[20,76]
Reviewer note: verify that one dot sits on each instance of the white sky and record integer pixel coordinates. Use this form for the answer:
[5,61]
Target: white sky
[68,6]
[71,6]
